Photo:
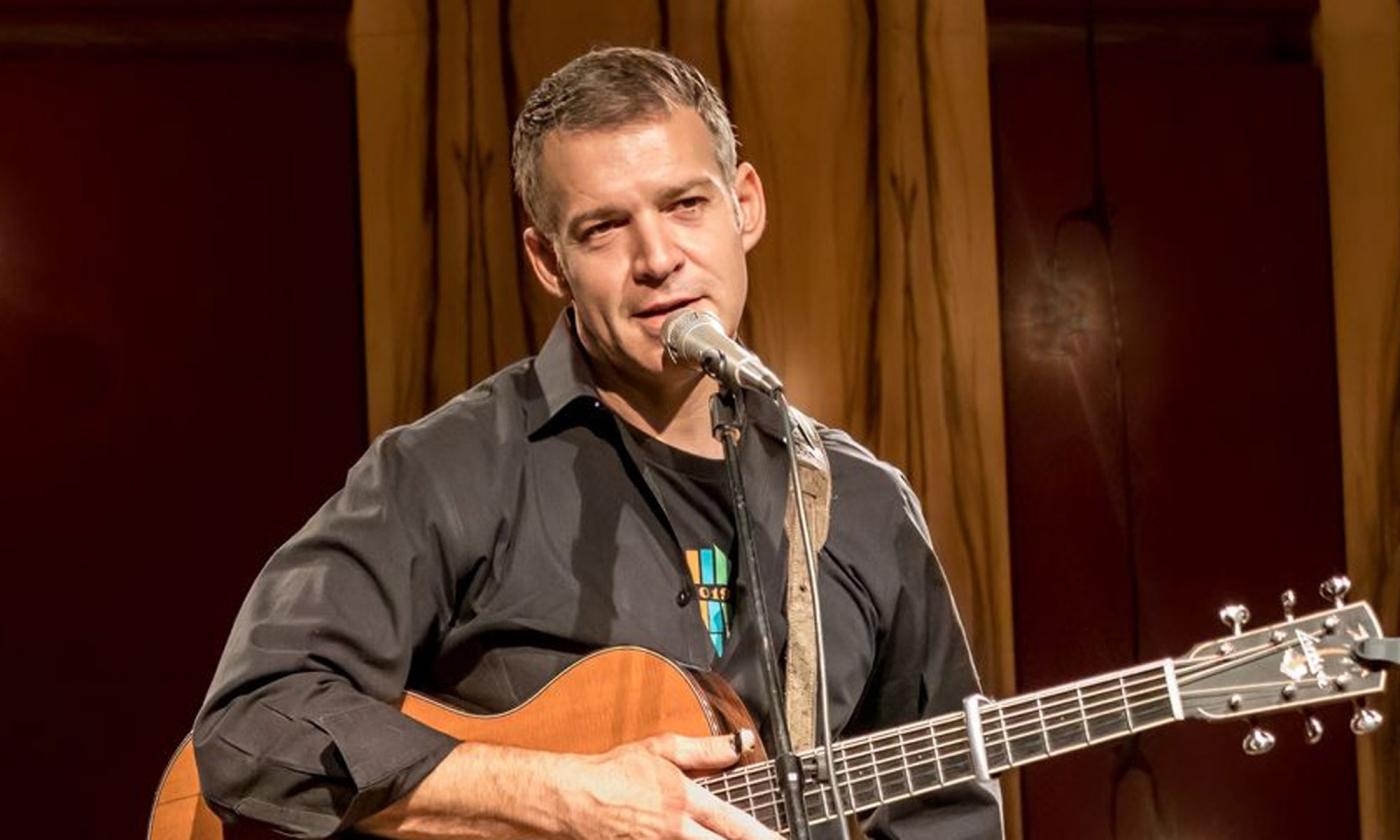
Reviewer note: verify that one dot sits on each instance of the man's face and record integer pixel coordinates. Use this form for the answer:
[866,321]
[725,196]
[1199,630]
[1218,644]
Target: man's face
[645,224]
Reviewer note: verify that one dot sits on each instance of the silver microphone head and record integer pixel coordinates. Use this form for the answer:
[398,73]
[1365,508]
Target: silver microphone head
[678,334]
[696,339]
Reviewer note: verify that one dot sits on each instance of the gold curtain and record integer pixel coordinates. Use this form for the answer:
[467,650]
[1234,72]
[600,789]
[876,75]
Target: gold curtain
[874,292]
[1359,49]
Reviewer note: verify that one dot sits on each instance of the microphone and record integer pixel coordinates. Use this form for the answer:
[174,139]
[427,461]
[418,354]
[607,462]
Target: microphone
[696,339]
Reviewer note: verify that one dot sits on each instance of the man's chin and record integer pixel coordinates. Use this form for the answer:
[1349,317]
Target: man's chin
[667,377]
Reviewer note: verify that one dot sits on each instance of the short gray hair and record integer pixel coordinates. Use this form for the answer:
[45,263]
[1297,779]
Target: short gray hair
[609,88]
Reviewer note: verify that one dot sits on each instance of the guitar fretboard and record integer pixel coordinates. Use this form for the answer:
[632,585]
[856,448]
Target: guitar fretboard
[905,761]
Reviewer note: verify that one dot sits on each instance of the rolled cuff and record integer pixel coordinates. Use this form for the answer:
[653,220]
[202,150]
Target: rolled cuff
[371,756]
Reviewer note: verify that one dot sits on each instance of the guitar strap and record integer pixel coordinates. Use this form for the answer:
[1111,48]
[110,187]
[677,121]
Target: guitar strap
[814,478]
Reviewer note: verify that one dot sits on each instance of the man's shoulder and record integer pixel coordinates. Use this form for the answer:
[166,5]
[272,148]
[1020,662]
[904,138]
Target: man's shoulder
[854,468]
[490,414]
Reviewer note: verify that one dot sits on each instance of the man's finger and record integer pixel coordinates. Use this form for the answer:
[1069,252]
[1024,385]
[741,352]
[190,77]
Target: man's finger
[724,819]
[711,753]
[692,830]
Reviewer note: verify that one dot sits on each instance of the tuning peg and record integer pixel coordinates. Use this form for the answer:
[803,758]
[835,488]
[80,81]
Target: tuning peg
[1257,740]
[1335,589]
[1312,729]
[1366,720]
[1289,599]
[1234,616]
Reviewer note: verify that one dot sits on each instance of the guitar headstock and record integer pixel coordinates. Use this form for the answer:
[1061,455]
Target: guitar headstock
[1302,661]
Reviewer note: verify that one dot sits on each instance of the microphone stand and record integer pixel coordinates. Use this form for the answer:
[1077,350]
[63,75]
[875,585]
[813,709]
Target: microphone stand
[727,421]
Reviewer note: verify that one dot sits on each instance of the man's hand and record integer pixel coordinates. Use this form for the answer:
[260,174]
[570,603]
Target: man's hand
[637,791]
[640,791]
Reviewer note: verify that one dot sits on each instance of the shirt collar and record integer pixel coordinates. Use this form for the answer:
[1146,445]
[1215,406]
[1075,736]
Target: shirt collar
[562,372]
[564,377]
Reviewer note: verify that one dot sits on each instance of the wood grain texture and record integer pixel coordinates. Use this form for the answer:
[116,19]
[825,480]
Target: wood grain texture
[613,697]
[1172,432]
[1359,46]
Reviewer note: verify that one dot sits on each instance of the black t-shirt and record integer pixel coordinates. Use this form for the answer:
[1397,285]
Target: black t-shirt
[695,494]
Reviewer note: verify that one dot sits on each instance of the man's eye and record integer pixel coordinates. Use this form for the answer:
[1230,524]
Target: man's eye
[600,228]
[690,202]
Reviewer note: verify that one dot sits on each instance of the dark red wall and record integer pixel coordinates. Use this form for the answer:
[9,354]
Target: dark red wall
[180,368]
[1170,390]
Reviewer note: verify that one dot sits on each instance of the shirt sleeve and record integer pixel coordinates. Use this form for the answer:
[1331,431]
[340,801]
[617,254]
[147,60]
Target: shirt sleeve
[925,669]
[300,728]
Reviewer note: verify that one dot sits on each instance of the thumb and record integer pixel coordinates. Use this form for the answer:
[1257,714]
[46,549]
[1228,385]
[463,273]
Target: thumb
[709,753]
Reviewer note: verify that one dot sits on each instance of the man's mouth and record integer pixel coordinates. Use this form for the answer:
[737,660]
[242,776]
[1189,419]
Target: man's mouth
[658,311]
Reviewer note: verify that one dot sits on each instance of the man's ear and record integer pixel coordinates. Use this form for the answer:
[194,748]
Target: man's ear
[545,263]
[753,209]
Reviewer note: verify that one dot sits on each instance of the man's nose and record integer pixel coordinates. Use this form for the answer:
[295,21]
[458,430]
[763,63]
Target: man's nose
[658,256]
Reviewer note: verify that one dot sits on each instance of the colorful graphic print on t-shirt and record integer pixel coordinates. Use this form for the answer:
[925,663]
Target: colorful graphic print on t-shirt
[709,571]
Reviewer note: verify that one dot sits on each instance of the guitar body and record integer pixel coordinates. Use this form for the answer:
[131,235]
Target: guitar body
[604,700]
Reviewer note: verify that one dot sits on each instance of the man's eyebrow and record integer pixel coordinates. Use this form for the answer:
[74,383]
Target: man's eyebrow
[582,220]
[576,225]
[675,192]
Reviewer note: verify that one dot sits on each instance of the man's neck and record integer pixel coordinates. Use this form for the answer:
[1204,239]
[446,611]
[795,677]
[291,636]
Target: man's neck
[677,416]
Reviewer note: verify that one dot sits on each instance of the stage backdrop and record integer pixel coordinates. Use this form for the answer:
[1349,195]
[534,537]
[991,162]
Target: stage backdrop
[1148,384]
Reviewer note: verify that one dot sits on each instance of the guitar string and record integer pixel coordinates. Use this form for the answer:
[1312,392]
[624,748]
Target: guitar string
[952,720]
[866,782]
[999,738]
[873,780]
[821,792]
[771,799]
[954,728]
[868,774]
[1001,735]
[1001,731]
[871,784]
[1193,671]
[1187,670]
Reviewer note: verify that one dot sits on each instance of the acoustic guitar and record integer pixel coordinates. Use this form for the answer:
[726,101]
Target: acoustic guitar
[620,695]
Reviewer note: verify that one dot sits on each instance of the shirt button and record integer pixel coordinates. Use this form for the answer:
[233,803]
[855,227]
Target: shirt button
[683,597]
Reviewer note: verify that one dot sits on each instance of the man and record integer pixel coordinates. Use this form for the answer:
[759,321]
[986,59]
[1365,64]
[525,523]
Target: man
[565,504]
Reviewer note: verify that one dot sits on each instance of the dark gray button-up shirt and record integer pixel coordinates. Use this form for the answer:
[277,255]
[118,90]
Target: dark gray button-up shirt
[475,554]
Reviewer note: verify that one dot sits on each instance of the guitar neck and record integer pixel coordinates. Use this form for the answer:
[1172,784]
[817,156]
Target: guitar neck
[990,737]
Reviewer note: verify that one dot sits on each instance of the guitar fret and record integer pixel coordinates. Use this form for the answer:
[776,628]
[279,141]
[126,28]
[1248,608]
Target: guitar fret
[904,761]
[894,764]
[748,790]
[1023,744]
[845,775]
[849,775]
[1083,715]
[1127,705]
[875,768]
[1044,730]
[853,797]
[1064,723]
[1004,745]
[891,770]
[937,759]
